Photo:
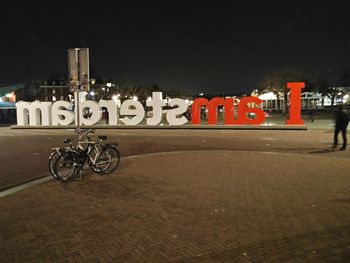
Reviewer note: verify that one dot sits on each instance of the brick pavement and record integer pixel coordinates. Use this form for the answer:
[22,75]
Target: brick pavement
[204,206]
[21,149]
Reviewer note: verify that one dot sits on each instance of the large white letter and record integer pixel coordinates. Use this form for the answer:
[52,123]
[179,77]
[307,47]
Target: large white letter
[96,114]
[35,110]
[157,103]
[137,110]
[60,114]
[22,112]
[111,106]
[171,114]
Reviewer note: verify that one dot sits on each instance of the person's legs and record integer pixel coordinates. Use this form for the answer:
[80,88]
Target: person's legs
[335,139]
[345,141]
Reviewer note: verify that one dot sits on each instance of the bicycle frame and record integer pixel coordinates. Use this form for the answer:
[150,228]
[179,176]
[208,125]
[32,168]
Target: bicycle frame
[88,150]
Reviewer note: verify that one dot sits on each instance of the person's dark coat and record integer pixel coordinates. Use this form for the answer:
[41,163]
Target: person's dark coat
[342,120]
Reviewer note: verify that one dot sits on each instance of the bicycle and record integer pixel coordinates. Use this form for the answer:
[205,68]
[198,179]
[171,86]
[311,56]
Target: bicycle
[66,163]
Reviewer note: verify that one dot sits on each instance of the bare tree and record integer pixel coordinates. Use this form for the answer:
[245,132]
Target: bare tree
[276,82]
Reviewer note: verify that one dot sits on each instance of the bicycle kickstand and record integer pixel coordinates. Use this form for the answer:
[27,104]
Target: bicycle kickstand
[77,175]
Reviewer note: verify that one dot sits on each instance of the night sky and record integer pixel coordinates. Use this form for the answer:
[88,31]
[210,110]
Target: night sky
[218,47]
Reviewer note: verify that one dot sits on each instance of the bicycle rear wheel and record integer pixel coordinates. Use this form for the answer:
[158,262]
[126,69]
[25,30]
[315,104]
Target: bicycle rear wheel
[65,166]
[108,159]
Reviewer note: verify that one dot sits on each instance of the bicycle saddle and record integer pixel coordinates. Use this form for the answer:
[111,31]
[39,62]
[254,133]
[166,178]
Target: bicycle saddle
[68,140]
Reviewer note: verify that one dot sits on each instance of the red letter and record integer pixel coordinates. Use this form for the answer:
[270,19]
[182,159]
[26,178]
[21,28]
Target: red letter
[243,110]
[212,110]
[295,103]
[196,109]
[229,111]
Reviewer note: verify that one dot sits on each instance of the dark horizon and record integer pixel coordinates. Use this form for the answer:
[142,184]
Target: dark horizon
[218,48]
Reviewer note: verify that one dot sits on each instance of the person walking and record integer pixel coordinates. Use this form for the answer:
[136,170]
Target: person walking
[311,115]
[341,124]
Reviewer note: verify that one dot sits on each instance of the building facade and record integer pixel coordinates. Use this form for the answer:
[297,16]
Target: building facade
[53,90]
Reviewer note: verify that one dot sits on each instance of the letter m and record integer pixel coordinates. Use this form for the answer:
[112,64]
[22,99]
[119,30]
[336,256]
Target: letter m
[34,114]
[212,109]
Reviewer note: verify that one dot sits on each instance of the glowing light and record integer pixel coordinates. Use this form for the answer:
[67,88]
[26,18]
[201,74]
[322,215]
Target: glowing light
[116,97]
[92,93]
[9,95]
[109,84]
[135,98]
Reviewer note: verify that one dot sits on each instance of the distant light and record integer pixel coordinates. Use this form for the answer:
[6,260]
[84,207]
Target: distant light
[115,97]
[135,98]
[346,96]
[92,93]
[103,89]
[53,98]
[201,94]
[187,101]
[109,84]
[9,95]
[149,99]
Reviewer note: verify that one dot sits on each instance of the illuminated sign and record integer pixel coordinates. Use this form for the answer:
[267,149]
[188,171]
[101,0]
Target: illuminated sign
[132,112]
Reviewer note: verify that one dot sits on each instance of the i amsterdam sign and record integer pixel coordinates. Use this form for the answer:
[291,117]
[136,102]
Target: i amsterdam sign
[57,114]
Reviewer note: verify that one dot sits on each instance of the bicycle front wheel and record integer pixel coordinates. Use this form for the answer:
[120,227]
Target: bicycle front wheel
[108,159]
[65,167]
[52,161]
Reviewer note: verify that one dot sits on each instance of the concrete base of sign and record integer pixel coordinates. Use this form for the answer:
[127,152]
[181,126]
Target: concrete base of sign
[197,127]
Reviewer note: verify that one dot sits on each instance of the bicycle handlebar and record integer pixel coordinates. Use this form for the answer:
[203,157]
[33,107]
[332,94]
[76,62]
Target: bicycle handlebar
[83,131]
